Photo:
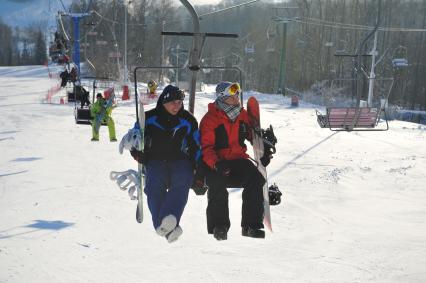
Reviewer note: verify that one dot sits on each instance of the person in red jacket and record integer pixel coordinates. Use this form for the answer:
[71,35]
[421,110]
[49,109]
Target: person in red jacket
[224,128]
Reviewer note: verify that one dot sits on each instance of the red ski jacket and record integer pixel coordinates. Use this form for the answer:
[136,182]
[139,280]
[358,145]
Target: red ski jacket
[221,138]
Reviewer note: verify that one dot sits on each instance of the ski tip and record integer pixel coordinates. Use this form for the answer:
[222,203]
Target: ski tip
[139,217]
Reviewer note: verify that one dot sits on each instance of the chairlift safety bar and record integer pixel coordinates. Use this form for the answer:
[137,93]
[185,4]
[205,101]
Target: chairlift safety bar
[207,34]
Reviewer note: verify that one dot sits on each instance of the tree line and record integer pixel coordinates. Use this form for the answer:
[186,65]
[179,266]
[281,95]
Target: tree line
[280,47]
[22,46]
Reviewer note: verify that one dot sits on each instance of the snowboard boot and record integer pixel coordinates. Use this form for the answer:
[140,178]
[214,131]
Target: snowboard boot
[113,140]
[167,225]
[94,139]
[253,233]
[174,235]
[220,233]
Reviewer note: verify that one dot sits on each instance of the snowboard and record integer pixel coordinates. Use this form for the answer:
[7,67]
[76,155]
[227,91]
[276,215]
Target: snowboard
[100,117]
[258,149]
[140,113]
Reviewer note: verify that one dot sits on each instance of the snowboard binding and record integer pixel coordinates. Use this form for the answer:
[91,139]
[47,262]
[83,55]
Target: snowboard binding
[131,139]
[269,140]
[126,180]
[274,195]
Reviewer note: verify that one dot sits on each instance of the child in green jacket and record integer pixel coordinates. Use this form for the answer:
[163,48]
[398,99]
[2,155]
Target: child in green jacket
[96,110]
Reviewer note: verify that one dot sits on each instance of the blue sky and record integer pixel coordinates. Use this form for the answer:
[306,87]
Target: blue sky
[8,6]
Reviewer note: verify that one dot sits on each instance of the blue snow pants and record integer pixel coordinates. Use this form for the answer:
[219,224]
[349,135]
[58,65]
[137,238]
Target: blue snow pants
[167,188]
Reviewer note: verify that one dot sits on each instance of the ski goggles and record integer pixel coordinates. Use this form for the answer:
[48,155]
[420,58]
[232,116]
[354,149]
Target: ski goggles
[233,89]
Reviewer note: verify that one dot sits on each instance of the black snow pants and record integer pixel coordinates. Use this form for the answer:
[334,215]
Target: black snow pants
[243,174]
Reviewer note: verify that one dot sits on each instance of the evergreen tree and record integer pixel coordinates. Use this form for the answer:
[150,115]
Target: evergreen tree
[25,54]
[6,50]
[39,48]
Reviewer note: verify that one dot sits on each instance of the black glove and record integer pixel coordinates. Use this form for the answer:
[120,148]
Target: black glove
[137,155]
[199,187]
[269,141]
[223,167]
[267,155]
[265,160]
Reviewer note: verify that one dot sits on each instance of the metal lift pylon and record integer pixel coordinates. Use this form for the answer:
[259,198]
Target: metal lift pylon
[198,40]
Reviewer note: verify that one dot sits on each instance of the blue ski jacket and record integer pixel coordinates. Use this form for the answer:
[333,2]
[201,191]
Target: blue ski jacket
[171,137]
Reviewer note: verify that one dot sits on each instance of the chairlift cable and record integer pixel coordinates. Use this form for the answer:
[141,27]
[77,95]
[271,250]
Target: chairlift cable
[210,13]
[227,8]
[91,29]
[63,28]
[319,22]
[63,6]
[114,21]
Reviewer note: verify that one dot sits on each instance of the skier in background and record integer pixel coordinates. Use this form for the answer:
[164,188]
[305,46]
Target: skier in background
[171,151]
[84,96]
[64,75]
[73,75]
[95,110]
[223,129]
[152,87]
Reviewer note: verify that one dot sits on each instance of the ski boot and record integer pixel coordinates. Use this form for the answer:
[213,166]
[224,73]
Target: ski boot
[253,233]
[220,233]
[168,225]
[174,235]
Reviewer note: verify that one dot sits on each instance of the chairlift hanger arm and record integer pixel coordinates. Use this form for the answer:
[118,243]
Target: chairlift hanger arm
[364,72]
[382,57]
[226,9]
[203,35]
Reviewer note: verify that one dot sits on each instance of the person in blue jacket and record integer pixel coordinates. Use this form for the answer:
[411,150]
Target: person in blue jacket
[172,150]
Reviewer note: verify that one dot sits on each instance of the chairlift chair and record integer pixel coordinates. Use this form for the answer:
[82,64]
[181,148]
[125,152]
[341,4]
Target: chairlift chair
[249,48]
[271,33]
[360,117]
[399,60]
[351,119]
[399,63]
[82,115]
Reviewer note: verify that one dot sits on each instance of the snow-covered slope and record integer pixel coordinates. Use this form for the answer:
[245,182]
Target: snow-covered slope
[353,209]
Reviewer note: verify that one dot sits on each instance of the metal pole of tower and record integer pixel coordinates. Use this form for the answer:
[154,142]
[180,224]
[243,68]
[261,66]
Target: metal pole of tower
[281,78]
[194,56]
[162,54]
[76,49]
[76,55]
[125,44]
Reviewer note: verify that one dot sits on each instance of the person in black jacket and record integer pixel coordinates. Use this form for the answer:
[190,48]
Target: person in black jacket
[82,94]
[172,148]
[64,75]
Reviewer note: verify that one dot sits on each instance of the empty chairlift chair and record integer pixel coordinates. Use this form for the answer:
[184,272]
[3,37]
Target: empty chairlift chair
[351,119]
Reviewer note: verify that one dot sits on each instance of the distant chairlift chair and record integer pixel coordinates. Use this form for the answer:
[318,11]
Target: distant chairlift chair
[82,114]
[352,119]
[357,118]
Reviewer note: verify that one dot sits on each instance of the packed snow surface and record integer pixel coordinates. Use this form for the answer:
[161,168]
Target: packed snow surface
[353,210]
